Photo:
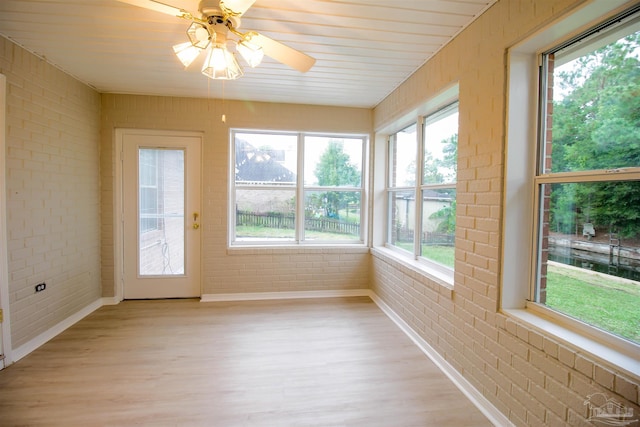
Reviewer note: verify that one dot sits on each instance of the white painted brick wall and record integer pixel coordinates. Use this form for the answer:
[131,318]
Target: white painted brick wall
[528,376]
[251,270]
[531,378]
[52,162]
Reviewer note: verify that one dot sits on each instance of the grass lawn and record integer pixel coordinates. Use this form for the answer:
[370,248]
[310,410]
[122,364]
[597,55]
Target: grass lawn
[289,234]
[445,255]
[597,299]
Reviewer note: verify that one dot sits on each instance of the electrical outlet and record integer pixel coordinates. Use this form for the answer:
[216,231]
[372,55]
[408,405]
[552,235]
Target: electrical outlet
[41,287]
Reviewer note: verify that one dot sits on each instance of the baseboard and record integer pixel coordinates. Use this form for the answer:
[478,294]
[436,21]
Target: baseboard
[491,412]
[255,296]
[31,345]
[111,300]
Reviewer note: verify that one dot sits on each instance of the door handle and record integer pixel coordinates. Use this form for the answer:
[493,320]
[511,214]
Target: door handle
[195,221]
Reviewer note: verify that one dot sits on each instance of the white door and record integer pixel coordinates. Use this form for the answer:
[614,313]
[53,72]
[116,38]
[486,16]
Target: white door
[161,214]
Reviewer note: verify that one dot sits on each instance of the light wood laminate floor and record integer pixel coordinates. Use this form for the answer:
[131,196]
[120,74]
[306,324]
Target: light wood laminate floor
[313,362]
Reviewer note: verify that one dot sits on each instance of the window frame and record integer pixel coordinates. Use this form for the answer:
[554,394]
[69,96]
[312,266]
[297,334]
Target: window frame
[300,190]
[431,115]
[576,46]
[521,213]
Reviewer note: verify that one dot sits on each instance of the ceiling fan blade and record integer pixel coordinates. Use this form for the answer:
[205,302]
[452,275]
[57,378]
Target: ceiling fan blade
[237,7]
[283,53]
[157,6]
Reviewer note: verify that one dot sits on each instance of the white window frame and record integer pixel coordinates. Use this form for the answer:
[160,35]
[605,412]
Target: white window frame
[441,104]
[520,214]
[299,189]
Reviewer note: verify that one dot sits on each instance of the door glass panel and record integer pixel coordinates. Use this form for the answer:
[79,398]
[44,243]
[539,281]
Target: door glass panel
[161,231]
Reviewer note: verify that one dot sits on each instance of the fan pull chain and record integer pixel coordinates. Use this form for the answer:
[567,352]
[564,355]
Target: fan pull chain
[224,116]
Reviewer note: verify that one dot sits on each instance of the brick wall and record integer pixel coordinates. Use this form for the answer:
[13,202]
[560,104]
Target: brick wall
[235,271]
[52,185]
[526,374]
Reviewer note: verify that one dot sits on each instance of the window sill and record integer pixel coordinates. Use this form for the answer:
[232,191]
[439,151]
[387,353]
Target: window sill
[442,281]
[578,339]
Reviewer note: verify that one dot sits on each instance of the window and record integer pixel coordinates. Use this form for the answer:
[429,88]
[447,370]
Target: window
[149,188]
[161,211]
[587,181]
[273,171]
[426,172]
[402,188]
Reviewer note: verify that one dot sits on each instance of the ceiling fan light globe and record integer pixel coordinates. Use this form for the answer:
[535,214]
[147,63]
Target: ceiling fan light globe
[199,35]
[186,53]
[221,64]
[252,53]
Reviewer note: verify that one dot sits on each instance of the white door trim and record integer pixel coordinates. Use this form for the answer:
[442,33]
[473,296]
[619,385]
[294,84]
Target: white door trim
[5,331]
[118,202]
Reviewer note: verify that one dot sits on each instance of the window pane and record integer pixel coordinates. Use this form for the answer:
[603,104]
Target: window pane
[402,158]
[439,225]
[265,214]
[441,148]
[265,158]
[592,118]
[161,212]
[332,215]
[271,198]
[402,214]
[332,162]
[590,246]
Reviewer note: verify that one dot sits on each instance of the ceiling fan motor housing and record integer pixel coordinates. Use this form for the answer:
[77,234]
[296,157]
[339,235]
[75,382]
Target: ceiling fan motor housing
[213,14]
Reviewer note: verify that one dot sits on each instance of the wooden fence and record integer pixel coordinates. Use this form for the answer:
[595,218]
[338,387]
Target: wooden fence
[287,221]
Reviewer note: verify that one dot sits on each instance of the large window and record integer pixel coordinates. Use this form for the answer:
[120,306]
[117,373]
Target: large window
[422,167]
[587,181]
[295,188]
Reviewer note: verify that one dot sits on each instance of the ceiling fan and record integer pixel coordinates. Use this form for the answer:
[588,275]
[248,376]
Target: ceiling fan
[209,31]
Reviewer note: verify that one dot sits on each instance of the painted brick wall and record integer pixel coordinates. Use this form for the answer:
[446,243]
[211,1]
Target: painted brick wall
[52,160]
[234,271]
[527,375]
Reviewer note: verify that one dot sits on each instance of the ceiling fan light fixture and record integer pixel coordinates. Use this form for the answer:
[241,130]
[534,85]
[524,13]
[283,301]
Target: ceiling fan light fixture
[186,52]
[251,52]
[199,35]
[221,64]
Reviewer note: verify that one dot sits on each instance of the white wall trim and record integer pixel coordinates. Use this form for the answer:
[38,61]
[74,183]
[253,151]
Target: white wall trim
[255,296]
[491,412]
[111,300]
[33,344]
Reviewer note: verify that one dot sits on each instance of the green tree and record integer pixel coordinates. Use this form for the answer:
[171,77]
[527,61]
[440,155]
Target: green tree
[449,162]
[596,125]
[430,172]
[334,169]
[436,171]
[444,170]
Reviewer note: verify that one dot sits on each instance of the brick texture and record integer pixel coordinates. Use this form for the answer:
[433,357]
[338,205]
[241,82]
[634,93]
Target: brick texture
[531,378]
[60,183]
[52,184]
[235,271]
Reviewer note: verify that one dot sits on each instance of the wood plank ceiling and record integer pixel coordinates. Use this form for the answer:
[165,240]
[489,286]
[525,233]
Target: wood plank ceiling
[364,48]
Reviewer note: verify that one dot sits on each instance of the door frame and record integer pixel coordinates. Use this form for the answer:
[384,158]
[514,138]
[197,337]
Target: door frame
[5,326]
[118,199]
